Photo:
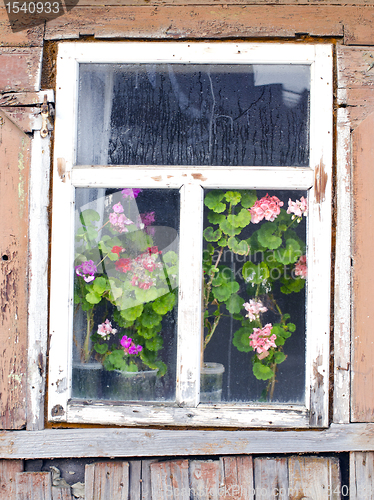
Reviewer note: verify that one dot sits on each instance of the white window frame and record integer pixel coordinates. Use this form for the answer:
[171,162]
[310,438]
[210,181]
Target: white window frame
[191,181]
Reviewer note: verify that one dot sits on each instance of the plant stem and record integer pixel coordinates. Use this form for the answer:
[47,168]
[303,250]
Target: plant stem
[86,345]
[271,385]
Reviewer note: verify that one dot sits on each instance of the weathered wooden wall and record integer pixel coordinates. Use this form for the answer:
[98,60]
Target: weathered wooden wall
[349,24]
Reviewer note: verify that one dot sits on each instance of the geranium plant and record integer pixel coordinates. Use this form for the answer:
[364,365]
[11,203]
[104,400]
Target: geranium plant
[123,279]
[272,260]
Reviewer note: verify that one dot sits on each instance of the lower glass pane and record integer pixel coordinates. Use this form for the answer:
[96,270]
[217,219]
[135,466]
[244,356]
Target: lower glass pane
[125,294]
[255,273]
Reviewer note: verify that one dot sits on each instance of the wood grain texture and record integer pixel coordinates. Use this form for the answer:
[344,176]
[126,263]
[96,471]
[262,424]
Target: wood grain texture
[135,479]
[112,442]
[204,479]
[314,477]
[8,471]
[363,283]
[33,486]
[20,69]
[361,475]
[271,478]
[14,161]
[32,37]
[61,493]
[105,480]
[237,478]
[146,480]
[169,479]
[342,287]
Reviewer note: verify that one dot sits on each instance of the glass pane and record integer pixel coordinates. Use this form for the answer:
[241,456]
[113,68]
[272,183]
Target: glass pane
[178,114]
[254,296]
[125,294]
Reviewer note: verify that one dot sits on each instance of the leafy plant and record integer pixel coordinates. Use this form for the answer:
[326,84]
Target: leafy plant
[230,213]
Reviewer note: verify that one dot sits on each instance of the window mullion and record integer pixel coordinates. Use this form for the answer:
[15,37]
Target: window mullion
[190,282]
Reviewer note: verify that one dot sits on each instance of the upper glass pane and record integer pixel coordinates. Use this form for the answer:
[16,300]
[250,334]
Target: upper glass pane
[125,294]
[197,114]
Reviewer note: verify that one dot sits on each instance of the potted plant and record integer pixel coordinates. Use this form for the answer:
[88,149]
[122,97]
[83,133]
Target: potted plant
[250,293]
[121,278]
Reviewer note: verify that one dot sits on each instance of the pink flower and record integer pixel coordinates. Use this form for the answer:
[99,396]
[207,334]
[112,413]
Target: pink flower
[301,267]
[267,208]
[105,329]
[119,222]
[87,270]
[129,347]
[262,340]
[298,208]
[254,308]
[131,193]
[118,208]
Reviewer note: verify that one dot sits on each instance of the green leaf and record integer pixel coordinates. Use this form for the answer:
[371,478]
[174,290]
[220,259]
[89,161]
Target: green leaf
[233,197]
[241,339]
[170,258]
[237,246]
[214,218]
[262,372]
[91,233]
[243,218]
[224,291]
[154,344]
[101,348]
[234,304]
[164,304]
[99,285]
[288,254]
[150,318]
[291,327]
[211,235]
[290,285]
[266,236]
[88,216]
[93,297]
[132,313]
[229,229]
[213,201]
[279,357]
[255,273]
[248,198]
[146,296]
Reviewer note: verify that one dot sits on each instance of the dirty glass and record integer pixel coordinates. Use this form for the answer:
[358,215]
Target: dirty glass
[125,294]
[255,274]
[198,114]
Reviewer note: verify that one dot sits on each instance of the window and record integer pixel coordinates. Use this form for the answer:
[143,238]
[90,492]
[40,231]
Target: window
[191,234]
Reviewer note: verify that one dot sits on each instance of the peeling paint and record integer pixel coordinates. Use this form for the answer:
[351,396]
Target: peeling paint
[21,180]
[61,168]
[199,177]
[320,182]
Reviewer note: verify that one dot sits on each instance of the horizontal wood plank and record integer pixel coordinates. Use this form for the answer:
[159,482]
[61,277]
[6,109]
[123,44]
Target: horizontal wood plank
[114,442]
[32,37]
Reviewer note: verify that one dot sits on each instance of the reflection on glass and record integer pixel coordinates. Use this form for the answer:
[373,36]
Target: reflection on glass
[198,114]
[255,272]
[125,294]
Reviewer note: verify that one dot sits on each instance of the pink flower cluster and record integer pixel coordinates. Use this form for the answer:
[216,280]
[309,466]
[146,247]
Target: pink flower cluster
[87,270]
[147,261]
[118,219]
[301,267]
[254,308]
[267,208]
[131,193]
[105,330]
[298,208]
[129,346]
[262,340]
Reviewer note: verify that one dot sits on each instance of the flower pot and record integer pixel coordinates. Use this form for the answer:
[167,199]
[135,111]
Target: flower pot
[129,386]
[211,382]
[86,380]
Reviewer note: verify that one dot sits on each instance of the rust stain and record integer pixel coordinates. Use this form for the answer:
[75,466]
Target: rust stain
[317,375]
[198,177]
[320,182]
[157,178]
[61,168]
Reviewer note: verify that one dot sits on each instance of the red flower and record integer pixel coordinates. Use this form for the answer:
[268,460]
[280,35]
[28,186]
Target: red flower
[117,250]
[152,250]
[123,265]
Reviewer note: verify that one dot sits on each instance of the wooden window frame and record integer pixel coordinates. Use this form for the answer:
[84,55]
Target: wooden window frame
[191,181]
